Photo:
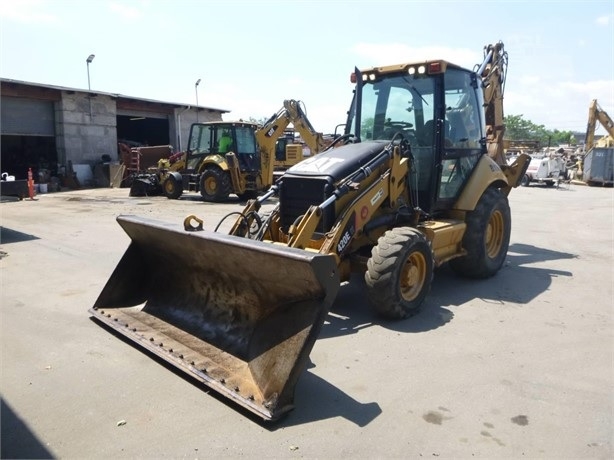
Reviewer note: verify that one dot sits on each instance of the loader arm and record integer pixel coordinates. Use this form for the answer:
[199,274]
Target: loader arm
[359,198]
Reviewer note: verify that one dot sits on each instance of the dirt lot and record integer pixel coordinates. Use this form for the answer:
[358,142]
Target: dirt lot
[520,365]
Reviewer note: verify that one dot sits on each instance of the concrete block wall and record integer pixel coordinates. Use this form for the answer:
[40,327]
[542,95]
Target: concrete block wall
[182,121]
[86,128]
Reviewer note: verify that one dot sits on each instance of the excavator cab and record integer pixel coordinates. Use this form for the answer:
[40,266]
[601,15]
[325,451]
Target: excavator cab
[435,110]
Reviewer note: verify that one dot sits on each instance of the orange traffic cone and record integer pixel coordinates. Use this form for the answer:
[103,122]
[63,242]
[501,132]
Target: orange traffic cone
[30,184]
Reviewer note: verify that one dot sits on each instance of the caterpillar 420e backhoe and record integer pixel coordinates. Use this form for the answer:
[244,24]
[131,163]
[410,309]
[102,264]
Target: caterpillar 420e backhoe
[418,179]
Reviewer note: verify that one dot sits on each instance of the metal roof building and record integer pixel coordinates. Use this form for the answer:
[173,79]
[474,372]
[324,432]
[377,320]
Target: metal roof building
[45,127]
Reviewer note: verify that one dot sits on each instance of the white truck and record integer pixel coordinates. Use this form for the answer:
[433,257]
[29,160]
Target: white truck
[544,170]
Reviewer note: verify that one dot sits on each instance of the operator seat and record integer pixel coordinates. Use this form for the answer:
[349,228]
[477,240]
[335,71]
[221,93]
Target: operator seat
[426,135]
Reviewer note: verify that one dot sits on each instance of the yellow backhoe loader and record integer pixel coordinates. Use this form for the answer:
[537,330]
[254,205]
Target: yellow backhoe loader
[418,179]
[222,158]
[231,157]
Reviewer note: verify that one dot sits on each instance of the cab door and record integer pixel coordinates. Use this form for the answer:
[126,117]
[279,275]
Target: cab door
[462,134]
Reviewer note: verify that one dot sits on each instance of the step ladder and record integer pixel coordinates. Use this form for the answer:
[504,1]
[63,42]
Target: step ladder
[134,161]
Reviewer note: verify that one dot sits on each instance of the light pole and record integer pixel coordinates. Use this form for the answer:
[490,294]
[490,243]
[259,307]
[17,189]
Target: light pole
[196,88]
[89,59]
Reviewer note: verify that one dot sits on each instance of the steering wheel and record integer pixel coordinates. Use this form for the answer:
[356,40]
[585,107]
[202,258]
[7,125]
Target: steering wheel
[398,124]
[397,127]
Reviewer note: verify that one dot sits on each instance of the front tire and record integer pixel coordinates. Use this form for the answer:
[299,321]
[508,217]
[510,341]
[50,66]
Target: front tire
[215,185]
[171,188]
[526,180]
[486,238]
[399,273]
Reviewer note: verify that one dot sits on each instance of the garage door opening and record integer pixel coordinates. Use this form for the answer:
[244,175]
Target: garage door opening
[136,131]
[22,152]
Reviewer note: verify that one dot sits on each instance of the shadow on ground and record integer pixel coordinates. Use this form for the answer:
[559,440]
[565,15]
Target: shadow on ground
[18,441]
[8,235]
[518,282]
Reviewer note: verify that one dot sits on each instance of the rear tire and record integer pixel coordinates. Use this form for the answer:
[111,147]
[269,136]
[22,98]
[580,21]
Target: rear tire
[215,185]
[486,238]
[526,180]
[399,273]
[172,190]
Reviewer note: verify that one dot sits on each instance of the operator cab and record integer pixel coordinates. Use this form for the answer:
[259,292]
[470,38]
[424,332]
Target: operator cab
[436,107]
[220,138]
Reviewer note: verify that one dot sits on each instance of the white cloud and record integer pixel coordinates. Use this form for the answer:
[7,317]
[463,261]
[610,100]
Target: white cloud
[559,105]
[604,20]
[126,12]
[26,12]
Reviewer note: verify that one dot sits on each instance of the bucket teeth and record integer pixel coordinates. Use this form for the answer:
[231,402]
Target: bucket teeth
[239,315]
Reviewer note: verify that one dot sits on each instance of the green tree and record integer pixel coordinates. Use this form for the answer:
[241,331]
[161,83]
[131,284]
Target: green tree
[259,121]
[518,128]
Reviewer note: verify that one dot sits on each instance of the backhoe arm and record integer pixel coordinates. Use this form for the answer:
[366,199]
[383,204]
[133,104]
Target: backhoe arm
[273,129]
[493,72]
[596,114]
[266,137]
[298,118]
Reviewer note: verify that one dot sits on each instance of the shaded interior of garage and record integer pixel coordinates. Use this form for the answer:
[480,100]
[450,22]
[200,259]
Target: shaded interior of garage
[136,131]
[22,152]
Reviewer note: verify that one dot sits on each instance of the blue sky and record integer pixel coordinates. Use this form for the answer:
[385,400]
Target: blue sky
[251,55]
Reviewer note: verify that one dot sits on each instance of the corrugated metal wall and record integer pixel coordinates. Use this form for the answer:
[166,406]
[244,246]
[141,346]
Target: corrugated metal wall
[26,117]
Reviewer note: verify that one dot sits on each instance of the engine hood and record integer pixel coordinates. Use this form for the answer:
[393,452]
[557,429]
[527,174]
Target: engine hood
[338,162]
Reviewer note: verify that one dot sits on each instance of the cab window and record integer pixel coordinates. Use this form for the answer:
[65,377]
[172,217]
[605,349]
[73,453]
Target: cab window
[246,140]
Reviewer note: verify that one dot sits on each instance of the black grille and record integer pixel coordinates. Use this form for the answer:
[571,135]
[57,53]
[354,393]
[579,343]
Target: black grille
[298,194]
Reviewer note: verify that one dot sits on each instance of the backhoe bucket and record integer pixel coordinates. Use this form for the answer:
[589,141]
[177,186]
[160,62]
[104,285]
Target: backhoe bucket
[239,315]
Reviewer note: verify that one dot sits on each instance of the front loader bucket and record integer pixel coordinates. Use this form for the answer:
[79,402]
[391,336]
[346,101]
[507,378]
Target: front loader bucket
[239,315]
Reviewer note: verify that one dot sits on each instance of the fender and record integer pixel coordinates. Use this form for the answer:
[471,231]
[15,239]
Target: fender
[486,174]
[217,160]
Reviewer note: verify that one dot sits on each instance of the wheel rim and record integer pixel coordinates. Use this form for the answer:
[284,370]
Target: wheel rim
[169,186]
[210,185]
[413,276]
[494,234]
